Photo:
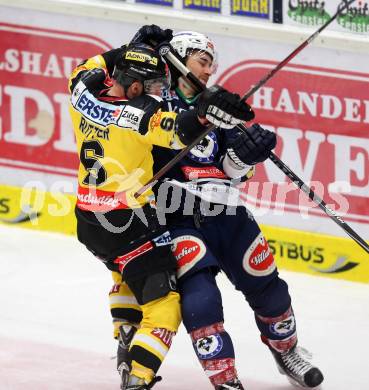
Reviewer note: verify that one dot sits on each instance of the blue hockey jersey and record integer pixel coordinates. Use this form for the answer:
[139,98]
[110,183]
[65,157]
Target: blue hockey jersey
[201,171]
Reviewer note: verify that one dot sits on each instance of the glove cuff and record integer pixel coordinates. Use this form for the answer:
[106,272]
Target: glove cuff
[233,170]
[232,155]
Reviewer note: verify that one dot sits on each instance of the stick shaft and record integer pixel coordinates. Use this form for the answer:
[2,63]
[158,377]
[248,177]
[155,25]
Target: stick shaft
[279,163]
[319,201]
[292,55]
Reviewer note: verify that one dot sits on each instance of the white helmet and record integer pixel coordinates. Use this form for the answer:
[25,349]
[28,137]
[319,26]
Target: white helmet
[185,41]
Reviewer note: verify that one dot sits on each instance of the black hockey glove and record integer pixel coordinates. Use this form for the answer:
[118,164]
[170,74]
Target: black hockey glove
[252,147]
[94,80]
[152,35]
[223,108]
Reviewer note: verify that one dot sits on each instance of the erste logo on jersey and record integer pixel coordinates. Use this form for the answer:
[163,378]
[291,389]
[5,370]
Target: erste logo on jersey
[258,259]
[96,111]
[188,251]
[104,113]
[205,151]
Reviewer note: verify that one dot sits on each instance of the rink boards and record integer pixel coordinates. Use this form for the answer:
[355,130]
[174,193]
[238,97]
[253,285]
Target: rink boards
[294,250]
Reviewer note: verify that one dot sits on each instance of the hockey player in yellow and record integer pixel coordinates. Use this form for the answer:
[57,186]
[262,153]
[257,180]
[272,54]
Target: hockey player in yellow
[225,240]
[117,119]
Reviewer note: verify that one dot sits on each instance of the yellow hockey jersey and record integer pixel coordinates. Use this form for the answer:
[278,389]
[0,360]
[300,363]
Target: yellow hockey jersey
[114,141]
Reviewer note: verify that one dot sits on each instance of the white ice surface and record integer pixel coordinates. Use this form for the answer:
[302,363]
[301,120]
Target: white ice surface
[55,330]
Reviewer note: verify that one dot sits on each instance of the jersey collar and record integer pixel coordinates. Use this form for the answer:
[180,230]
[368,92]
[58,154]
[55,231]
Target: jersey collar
[189,101]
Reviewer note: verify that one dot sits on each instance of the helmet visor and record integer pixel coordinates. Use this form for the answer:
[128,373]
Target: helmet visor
[200,52]
[157,86]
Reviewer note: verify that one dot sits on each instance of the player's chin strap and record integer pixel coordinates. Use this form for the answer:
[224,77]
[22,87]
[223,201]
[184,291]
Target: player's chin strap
[168,52]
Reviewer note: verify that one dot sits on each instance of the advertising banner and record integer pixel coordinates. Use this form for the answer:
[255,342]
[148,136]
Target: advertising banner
[318,106]
[168,3]
[318,254]
[355,19]
[321,117]
[37,209]
[35,127]
[203,5]
[254,8]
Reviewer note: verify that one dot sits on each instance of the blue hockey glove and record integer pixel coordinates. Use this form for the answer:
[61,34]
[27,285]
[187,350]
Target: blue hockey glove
[152,35]
[252,147]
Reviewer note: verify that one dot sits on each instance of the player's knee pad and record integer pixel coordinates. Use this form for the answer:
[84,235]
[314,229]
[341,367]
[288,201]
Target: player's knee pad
[278,332]
[164,312]
[214,349]
[201,300]
[271,299]
[158,285]
[153,286]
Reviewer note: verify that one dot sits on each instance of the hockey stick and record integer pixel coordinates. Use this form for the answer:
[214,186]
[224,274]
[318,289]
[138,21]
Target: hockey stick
[168,52]
[301,47]
[173,58]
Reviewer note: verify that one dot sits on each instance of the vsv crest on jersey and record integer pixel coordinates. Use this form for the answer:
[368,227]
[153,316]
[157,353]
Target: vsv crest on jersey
[283,328]
[206,150]
[258,259]
[188,251]
[209,346]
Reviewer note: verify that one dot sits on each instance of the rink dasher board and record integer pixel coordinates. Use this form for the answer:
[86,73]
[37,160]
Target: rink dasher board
[323,131]
[294,250]
[317,105]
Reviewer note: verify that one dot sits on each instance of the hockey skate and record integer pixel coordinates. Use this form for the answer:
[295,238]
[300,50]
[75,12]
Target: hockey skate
[235,384]
[298,370]
[126,333]
[139,384]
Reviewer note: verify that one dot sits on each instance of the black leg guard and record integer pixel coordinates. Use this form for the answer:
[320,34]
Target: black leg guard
[126,333]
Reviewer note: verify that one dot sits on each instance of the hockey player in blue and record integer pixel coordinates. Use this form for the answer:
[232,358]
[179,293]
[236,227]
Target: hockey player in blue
[221,234]
[212,231]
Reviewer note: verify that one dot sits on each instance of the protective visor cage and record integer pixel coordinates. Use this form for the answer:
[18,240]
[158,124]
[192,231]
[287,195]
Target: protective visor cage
[185,42]
[157,86]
